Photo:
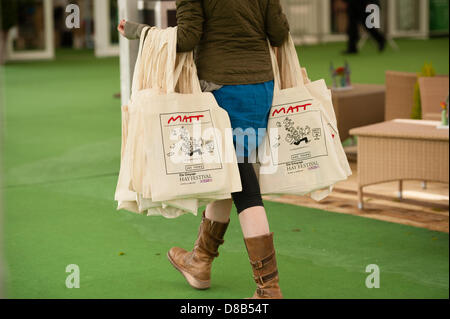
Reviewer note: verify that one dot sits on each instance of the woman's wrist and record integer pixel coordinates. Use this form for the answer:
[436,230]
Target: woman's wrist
[133,30]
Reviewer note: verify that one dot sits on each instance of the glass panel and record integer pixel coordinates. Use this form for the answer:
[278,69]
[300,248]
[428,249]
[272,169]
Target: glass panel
[30,22]
[339,18]
[408,18]
[439,15]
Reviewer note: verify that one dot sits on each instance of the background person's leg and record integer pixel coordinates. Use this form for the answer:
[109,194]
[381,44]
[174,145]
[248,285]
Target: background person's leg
[375,33]
[379,37]
[353,12]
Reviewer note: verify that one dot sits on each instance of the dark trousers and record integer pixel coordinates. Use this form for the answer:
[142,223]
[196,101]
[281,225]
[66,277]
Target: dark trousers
[357,15]
[250,196]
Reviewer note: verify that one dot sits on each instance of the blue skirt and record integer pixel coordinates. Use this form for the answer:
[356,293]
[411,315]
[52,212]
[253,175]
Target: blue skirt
[248,107]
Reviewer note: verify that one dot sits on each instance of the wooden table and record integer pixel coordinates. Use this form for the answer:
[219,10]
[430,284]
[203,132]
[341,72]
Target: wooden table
[401,150]
[359,106]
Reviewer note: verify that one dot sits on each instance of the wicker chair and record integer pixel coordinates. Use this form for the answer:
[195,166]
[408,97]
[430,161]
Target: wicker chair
[433,91]
[399,95]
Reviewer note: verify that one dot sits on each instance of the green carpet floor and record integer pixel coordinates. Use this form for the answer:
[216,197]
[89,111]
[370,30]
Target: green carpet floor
[61,158]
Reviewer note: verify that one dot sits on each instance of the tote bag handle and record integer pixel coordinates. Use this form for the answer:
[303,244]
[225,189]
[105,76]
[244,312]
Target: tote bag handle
[276,70]
[180,67]
[286,66]
[194,81]
[138,67]
[290,70]
[159,66]
[157,62]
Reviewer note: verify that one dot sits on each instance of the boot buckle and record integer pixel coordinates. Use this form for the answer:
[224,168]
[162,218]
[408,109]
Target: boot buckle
[262,279]
[260,263]
[259,280]
[257,264]
[260,292]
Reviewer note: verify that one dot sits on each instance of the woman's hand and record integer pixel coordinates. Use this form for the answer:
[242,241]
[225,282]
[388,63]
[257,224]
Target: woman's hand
[121,27]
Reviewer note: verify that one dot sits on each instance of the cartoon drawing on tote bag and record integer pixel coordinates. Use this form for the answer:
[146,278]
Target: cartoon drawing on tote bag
[187,147]
[190,146]
[296,135]
[299,135]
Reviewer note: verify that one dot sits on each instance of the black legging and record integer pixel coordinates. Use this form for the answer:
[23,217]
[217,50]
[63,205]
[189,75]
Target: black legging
[250,196]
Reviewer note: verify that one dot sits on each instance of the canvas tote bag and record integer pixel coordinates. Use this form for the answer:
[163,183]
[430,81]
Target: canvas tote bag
[126,194]
[302,150]
[153,55]
[188,142]
[186,83]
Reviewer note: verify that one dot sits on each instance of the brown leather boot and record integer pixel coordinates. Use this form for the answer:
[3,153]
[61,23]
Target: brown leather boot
[262,258]
[195,266]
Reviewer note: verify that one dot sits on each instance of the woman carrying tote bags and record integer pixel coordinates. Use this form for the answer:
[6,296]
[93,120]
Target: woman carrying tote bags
[234,63]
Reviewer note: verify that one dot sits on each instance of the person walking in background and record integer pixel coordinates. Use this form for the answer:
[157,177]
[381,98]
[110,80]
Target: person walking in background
[356,10]
[234,63]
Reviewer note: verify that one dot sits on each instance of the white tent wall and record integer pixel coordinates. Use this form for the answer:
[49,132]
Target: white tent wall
[310,23]
[103,45]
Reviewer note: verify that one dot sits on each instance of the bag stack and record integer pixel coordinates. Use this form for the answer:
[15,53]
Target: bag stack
[302,152]
[177,145]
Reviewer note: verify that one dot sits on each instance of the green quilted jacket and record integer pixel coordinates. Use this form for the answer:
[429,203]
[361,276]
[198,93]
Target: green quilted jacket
[230,37]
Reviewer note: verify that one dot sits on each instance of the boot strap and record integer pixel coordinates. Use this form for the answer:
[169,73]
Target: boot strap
[261,263]
[263,279]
